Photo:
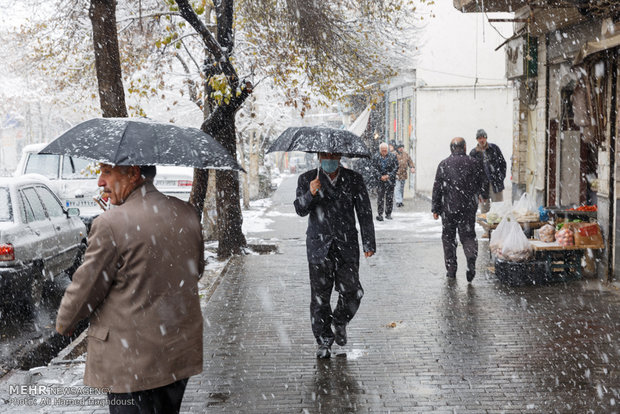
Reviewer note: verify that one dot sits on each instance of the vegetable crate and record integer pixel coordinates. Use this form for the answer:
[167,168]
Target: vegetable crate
[547,267]
[532,272]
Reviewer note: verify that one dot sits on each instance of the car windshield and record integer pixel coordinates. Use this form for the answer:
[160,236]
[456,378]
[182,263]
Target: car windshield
[6,213]
[78,168]
[44,164]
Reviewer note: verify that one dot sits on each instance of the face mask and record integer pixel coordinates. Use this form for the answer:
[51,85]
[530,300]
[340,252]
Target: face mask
[329,166]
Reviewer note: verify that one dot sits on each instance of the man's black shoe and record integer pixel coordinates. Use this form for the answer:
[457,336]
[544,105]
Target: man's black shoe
[379,218]
[470,275]
[340,331]
[399,204]
[451,275]
[324,351]
[389,217]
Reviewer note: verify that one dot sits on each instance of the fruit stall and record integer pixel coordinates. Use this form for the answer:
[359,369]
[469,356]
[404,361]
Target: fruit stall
[557,245]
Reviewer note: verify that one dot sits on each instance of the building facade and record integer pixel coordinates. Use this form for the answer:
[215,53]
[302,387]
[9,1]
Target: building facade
[563,59]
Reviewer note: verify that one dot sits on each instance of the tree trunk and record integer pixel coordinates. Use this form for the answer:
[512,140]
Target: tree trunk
[102,15]
[246,177]
[253,168]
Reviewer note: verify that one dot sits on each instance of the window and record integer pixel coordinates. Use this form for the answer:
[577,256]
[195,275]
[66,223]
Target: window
[76,168]
[51,203]
[32,200]
[44,164]
[6,213]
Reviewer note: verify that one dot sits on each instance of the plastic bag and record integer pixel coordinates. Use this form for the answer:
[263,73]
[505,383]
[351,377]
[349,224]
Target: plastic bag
[498,235]
[498,211]
[515,247]
[547,233]
[525,209]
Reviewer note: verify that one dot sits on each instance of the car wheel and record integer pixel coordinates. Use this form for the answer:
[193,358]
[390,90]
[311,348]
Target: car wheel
[78,260]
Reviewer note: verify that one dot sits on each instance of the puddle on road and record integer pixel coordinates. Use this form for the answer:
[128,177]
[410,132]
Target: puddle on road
[350,354]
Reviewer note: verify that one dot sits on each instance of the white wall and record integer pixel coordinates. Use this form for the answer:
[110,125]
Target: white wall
[443,114]
[456,48]
[458,52]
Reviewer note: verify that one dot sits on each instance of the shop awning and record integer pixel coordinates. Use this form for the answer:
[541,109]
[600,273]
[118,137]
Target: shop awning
[594,47]
[359,125]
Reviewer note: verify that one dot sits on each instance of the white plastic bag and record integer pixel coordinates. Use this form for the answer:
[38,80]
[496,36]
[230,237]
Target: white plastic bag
[515,247]
[498,211]
[525,209]
[498,235]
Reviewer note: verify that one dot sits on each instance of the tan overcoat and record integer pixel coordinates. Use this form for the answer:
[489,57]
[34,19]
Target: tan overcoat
[404,163]
[138,284]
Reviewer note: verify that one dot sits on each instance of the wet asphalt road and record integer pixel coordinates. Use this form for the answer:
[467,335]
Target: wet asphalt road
[419,343]
[22,329]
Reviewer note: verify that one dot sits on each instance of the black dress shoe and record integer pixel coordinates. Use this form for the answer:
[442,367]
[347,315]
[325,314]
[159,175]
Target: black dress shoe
[389,217]
[340,330]
[470,275]
[324,351]
[379,218]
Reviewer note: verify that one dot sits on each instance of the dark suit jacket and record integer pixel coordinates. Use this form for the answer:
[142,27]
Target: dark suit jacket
[458,182]
[391,166]
[494,170]
[332,220]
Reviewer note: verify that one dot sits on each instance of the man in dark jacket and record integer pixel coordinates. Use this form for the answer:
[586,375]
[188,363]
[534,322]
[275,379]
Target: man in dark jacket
[458,183]
[386,166]
[329,195]
[492,162]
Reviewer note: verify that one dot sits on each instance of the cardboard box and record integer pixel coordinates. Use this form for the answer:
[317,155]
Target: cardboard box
[588,234]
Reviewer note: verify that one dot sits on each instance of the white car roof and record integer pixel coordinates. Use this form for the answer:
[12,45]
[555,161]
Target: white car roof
[23,179]
[34,147]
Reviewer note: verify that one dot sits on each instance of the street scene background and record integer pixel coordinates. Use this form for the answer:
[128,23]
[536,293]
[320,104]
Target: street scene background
[419,343]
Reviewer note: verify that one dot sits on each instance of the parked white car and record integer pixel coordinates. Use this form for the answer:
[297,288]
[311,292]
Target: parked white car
[175,181]
[39,239]
[70,177]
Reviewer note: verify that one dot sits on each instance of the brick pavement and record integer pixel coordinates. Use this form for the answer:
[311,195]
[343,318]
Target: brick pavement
[419,342]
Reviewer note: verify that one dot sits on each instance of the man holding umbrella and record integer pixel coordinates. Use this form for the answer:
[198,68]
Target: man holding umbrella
[329,197]
[138,284]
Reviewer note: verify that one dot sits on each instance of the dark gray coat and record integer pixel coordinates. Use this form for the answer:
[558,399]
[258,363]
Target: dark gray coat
[332,216]
[458,182]
[493,164]
[386,166]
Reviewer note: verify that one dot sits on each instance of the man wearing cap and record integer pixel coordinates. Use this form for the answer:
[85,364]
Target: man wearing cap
[332,196]
[492,162]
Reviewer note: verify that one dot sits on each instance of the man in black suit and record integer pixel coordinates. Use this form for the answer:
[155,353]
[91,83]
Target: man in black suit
[458,182]
[329,195]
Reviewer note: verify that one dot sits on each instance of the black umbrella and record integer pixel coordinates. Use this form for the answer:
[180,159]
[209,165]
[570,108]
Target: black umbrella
[131,141]
[320,139]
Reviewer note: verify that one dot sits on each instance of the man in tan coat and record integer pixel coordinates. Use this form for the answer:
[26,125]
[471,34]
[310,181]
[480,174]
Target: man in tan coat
[405,164]
[138,286]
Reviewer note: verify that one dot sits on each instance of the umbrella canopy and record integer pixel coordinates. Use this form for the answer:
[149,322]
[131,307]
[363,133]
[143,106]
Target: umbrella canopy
[131,141]
[320,139]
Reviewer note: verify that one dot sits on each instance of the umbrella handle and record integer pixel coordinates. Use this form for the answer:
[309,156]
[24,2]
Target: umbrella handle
[318,169]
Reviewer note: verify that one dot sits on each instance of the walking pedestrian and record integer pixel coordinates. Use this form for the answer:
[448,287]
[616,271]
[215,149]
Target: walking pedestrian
[385,164]
[138,286]
[492,162]
[405,163]
[458,183]
[329,197]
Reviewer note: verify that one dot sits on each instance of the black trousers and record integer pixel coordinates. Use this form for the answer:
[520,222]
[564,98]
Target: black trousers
[333,271]
[385,192]
[465,224]
[162,400]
